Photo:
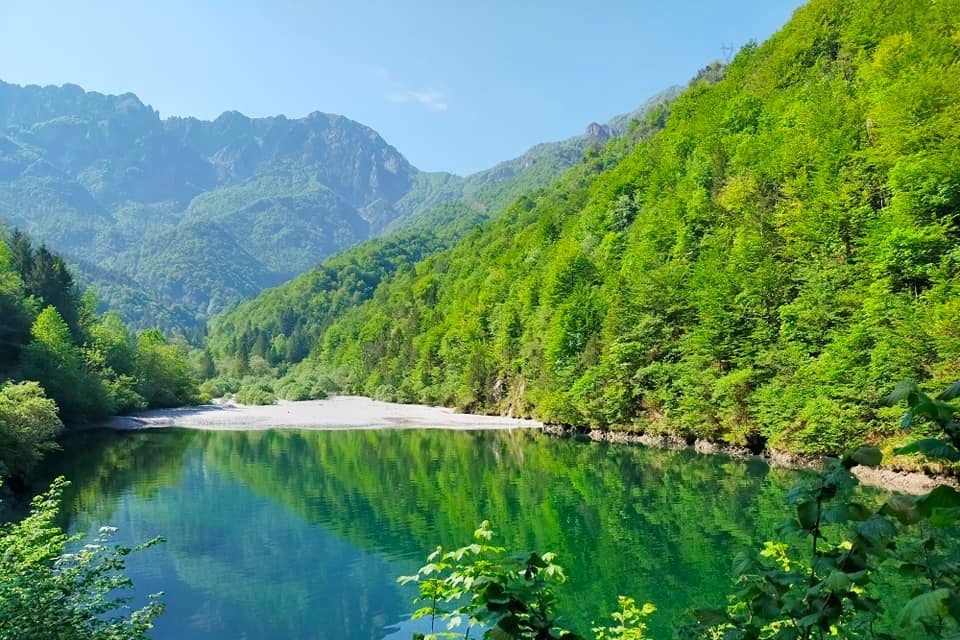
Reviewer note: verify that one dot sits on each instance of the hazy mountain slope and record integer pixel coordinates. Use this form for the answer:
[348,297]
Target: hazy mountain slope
[103,178]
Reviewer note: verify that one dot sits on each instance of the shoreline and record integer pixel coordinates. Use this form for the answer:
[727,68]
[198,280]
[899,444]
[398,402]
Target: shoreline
[888,479]
[358,412]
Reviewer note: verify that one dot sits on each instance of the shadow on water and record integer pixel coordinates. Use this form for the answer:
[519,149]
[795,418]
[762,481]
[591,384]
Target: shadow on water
[302,533]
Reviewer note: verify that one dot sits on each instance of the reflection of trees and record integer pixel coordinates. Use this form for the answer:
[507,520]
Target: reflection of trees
[297,532]
[265,574]
[660,524]
[247,567]
[103,464]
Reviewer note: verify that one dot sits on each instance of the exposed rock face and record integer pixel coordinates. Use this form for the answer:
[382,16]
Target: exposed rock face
[598,132]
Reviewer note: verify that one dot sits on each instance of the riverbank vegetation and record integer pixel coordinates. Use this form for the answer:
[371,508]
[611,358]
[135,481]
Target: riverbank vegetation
[827,577]
[51,588]
[785,247]
[62,362]
[598,494]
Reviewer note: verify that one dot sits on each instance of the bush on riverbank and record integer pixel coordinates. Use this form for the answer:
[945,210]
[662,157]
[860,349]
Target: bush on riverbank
[256,392]
[29,424]
[62,362]
[304,384]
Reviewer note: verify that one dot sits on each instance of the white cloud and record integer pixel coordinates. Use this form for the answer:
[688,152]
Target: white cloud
[430,98]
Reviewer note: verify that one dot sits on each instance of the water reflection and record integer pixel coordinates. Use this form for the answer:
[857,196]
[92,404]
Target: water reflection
[301,534]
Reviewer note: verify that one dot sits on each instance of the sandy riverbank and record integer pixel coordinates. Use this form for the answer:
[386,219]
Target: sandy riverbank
[339,412]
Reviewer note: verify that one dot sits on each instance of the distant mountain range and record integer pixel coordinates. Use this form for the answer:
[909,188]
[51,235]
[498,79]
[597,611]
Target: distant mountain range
[175,219]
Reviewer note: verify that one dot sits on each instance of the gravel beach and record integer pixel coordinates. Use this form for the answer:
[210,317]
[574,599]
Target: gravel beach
[338,412]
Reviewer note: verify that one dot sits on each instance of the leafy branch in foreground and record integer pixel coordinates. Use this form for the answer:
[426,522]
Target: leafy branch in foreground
[789,592]
[50,593]
[945,445]
[480,587]
[630,621]
[830,590]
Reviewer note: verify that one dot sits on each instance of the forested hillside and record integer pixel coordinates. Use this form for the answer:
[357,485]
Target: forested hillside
[62,362]
[280,325]
[762,270]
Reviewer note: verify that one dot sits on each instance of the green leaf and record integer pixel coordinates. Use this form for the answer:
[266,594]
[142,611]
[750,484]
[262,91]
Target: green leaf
[943,497]
[951,392]
[931,448]
[875,531]
[935,410]
[857,511]
[536,561]
[807,514]
[866,456]
[925,605]
[945,517]
[507,628]
[837,581]
[901,392]
[903,508]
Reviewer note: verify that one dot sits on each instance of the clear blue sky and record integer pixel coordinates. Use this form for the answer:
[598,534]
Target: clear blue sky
[453,85]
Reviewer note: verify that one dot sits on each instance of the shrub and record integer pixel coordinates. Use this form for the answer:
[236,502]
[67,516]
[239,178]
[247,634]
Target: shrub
[220,387]
[304,385]
[385,393]
[48,592]
[259,392]
[28,426]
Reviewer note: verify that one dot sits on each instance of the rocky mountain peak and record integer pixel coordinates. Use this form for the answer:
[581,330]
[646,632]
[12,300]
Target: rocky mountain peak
[598,132]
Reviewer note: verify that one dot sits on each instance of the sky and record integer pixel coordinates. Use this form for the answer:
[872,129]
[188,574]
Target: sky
[454,86]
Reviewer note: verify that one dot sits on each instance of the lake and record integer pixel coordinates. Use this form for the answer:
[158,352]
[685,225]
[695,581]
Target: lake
[302,534]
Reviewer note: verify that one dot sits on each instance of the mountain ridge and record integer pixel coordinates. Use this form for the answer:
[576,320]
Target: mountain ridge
[100,177]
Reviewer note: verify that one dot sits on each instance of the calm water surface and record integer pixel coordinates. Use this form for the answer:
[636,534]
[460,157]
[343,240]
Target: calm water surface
[301,534]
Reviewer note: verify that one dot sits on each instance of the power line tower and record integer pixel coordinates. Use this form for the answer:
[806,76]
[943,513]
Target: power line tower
[727,50]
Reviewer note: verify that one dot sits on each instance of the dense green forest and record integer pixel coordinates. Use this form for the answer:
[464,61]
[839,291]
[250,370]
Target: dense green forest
[264,336]
[61,362]
[784,247]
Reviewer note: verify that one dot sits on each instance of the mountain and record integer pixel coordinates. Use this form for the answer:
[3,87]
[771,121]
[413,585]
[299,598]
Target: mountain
[297,312]
[195,215]
[762,270]
[492,189]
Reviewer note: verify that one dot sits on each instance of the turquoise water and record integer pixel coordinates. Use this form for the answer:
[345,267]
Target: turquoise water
[301,534]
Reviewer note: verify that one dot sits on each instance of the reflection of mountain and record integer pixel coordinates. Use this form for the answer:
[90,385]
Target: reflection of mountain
[303,532]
